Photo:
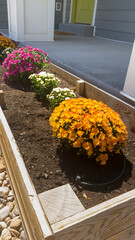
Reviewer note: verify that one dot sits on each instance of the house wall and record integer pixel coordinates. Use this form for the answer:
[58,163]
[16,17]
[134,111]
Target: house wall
[115,19]
[3,14]
[34,25]
[58,14]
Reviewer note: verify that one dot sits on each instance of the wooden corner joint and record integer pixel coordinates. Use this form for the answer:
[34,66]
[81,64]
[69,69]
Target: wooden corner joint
[2,100]
[80,87]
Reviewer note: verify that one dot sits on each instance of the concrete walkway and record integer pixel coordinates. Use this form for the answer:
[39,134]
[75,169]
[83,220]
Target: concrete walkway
[101,62]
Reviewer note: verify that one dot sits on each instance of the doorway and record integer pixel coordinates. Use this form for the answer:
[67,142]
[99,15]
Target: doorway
[82,11]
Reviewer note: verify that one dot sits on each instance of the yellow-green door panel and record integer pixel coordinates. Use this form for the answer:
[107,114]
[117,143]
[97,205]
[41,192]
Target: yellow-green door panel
[84,11]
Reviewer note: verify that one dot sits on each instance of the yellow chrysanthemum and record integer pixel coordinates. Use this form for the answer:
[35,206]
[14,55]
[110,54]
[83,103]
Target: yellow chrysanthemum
[103,158]
[72,137]
[5,43]
[87,146]
[90,126]
[64,134]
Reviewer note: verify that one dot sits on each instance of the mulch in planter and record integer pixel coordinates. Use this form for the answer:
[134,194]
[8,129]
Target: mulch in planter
[50,165]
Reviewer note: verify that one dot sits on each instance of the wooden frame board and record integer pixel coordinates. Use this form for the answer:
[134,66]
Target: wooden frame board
[88,90]
[110,220]
[34,219]
[104,221]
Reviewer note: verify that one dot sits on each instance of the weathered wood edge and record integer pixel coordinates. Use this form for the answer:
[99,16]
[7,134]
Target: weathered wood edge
[34,220]
[127,234]
[63,74]
[126,111]
[88,90]
[105,220]
[2,100]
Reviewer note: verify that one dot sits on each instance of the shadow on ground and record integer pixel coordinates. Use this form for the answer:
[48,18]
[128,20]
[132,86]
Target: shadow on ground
[90,175]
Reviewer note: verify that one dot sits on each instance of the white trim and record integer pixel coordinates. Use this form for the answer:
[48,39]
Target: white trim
[20,20]
[114,40]
[8,13]
[17,21]
[94,13]
[71,4]
[128,96]
[94,31]
[64,11]
[129,86]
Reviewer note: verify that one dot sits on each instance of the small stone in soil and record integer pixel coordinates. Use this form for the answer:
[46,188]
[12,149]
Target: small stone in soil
[2,176]
[7,219]
[3,225]
[11,205]
[45,175]
[2,168]
[39,175]
[4,191]
[58,172]
[15,211]
[15,224]
[10,193]
[57,182]
[4,212]
[6,235]
[14,232]
[22,235]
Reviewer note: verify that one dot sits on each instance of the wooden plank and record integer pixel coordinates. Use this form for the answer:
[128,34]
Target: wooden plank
[34,220]
[65,75]
[60,203]
[99,222]
[80,87]
[2,100]
[128,233]
[126,111]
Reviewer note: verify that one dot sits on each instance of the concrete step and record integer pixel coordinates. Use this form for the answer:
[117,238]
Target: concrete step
[78,29]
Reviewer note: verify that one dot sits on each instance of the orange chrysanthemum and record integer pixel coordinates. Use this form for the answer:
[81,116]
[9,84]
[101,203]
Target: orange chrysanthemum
[5,43]
[89,126]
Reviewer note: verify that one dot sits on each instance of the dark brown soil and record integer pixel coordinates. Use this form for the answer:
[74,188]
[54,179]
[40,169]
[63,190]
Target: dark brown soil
[50,165]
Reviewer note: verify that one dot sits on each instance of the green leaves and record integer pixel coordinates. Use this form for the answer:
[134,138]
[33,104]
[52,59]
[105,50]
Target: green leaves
[58,95]
[43,83]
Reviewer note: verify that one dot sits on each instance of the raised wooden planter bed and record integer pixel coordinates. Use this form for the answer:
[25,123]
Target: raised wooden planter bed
[45,219]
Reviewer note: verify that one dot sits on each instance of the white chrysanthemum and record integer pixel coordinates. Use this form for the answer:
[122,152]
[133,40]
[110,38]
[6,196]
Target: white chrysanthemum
[43,74]
[56,89]
[32,75]
[50,75]
[66,89]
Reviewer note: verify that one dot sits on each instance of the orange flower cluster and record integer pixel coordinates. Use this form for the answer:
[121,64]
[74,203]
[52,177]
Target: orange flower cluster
[89,126]
[5,43]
